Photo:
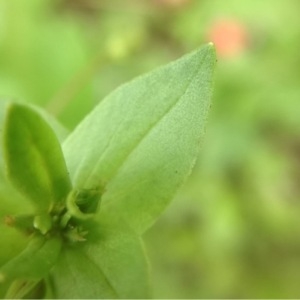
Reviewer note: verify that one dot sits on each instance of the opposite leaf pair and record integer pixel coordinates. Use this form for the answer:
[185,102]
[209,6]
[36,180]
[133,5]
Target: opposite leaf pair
[132,153]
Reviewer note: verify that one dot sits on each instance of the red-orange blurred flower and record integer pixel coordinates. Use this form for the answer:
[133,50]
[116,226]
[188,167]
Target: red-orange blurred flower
[172,3]
[229,36]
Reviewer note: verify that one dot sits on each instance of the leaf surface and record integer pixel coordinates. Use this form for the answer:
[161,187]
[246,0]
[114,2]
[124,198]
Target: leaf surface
[33,157]
[111,264]
[143,139]
[60,131]
[34,262]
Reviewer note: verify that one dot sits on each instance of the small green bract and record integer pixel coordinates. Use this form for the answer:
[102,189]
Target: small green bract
[75,211]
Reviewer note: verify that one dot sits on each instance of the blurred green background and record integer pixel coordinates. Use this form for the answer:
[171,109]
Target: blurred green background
[233,230]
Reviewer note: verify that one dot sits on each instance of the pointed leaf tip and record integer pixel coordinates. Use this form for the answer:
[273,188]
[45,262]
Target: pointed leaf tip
[143,139]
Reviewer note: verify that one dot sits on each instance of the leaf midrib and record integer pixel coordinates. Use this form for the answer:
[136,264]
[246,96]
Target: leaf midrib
[101,272]
[147,132]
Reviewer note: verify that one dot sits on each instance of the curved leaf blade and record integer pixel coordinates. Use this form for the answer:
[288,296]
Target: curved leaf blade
[60,131]
[33,157]
[143,139]
[34,262]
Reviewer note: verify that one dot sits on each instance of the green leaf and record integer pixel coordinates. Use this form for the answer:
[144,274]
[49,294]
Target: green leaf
[111,264]
[33,157]
[143,139]
[76,277]
[12,242]
[34,262]
[60,131]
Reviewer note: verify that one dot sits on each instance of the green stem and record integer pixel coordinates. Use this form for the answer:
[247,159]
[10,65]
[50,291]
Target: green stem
[20,288]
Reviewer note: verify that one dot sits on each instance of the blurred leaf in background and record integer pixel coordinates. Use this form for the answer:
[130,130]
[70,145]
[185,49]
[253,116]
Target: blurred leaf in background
[233,230]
